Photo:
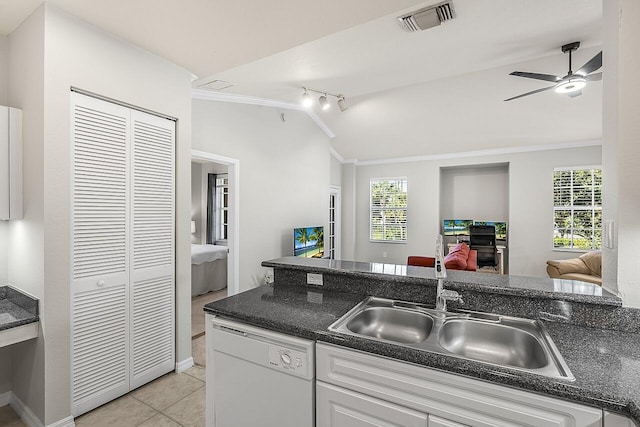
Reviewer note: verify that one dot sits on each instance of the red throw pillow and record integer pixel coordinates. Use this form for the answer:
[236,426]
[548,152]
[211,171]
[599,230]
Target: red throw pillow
[457,257]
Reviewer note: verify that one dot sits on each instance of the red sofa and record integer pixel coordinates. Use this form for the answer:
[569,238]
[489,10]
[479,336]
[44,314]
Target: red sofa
[461,257]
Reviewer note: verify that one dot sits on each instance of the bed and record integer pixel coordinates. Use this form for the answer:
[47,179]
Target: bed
[208,268]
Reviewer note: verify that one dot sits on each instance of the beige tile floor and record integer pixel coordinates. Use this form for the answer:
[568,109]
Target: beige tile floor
[173,400]
[198,345]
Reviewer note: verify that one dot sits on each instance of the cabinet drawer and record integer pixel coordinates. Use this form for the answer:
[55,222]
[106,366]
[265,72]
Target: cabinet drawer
[451,397]
[337,407]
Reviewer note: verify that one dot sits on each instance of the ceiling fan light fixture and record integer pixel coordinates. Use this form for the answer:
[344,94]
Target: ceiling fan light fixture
[573,84]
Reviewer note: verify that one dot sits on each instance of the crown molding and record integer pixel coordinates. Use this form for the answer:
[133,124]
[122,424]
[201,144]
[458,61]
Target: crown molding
[254,100]
[479,153]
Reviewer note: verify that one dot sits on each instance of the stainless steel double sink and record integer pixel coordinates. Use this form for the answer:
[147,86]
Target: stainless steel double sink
[510,342]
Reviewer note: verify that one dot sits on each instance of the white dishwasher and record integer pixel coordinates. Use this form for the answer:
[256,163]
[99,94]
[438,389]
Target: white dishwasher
[257,377]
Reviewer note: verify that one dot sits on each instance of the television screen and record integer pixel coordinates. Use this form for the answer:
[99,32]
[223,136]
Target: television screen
[501,228]
[308,242]
[456,227]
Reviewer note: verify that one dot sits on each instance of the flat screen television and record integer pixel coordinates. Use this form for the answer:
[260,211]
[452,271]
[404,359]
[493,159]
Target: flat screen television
[308,242]
[501,228]
[456,227]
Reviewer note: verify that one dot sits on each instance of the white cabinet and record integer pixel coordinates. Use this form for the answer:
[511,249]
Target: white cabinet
[449,400]
[10,163]
[615,420]
[123,291]
[338,407]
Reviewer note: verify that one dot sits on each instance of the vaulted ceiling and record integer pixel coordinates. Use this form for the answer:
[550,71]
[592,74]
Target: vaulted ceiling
[431,92]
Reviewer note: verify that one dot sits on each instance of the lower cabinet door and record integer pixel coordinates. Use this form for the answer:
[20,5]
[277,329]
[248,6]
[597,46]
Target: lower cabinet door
[338,407]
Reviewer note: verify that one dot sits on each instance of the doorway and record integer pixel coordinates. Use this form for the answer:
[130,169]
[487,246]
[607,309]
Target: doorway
[214,238]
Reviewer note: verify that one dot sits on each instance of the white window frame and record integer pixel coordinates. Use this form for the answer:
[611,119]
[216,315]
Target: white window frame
[220,209]
[405,208]
[332,238]
[573,208]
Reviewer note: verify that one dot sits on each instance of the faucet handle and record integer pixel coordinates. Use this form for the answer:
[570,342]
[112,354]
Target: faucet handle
[450,295]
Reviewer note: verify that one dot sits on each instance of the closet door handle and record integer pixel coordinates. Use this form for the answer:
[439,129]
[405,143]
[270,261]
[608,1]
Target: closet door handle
[101,283]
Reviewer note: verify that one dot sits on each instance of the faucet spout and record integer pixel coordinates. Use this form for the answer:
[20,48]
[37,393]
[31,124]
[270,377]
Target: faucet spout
[443,295]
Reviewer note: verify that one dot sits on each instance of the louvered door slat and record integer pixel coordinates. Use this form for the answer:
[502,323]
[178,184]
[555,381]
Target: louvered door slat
[99,351]
[153,252]
[153,329]
[100,288]
[99,167]
[153,182]
[123,250]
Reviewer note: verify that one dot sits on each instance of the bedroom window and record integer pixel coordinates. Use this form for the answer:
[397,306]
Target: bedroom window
[577,208]
[222,208]
[388,210]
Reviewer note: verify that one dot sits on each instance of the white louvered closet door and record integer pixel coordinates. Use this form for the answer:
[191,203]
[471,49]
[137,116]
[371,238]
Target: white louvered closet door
[123,292]
[100,261]
[152,279]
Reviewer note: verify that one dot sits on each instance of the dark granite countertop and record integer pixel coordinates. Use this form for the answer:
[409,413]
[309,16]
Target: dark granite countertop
[605,363]
[557,289]
[16,308]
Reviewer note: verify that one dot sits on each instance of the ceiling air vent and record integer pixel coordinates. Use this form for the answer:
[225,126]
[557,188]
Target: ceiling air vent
[215,84]
[427,17]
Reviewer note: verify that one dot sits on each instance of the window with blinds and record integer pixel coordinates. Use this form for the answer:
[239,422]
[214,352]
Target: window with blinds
[388,210]
[577,208]
[222,208]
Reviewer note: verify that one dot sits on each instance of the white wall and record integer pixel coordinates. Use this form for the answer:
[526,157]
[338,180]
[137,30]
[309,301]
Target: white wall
[196,201]
[530,206]
[26,236]
[335,172]
[284,175]
[627,130]
[478,193]
[4,68]
[4,226]
[80,55]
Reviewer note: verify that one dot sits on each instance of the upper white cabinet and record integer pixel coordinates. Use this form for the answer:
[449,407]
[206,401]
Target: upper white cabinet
[10,163]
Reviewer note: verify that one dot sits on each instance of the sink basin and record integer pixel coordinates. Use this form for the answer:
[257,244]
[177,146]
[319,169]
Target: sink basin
[493,343]
[391,324]
[503,341]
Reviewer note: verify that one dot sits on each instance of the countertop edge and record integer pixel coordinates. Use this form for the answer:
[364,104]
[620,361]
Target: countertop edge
[508,378]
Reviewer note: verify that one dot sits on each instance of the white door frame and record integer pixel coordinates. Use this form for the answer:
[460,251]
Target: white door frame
[337,191]
[233,261]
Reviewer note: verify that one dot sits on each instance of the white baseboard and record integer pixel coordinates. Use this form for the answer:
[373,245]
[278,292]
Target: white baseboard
[5,398]
[24,412]
[65,422]
[184,365]
[27,415]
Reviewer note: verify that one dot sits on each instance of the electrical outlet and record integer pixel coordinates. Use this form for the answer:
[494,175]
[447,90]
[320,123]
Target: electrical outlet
[314,279]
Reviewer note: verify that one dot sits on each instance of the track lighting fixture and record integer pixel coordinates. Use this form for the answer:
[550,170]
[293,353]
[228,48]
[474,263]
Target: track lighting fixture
[323,100]
[342,103]
[306,99]
[324,104]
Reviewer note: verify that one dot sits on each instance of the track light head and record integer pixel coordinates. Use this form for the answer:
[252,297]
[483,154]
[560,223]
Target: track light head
[306,99]
[324,103]
[342,104]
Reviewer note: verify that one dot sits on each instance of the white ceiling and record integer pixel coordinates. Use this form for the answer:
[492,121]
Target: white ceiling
[430,92]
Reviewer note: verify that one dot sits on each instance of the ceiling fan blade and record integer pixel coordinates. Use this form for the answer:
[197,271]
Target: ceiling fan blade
[545,77]
[593,77]
[592,65]
[530,93]
[575,93]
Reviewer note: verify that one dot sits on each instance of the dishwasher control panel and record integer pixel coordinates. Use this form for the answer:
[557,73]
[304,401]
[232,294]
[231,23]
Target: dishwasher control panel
[292,361]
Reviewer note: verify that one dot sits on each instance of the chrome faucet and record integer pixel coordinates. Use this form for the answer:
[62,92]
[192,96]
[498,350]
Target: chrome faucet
[443,295]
